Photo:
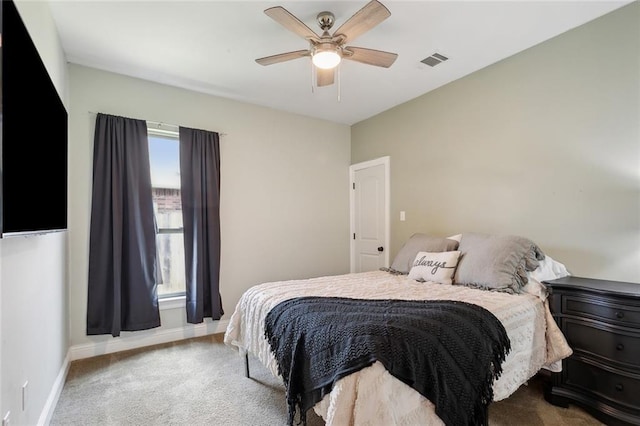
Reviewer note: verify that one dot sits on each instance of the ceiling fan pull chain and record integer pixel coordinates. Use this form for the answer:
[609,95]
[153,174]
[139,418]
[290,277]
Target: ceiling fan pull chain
[313,78]
[339,80]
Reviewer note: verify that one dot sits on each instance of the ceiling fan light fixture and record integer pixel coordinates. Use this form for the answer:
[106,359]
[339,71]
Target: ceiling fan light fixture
[326,58]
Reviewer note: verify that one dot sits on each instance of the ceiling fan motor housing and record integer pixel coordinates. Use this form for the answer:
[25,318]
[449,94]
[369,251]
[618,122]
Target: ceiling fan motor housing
[328,46]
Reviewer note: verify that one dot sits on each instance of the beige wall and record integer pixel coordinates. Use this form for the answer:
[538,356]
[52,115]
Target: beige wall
[544,144]
[33,277]
[284,185]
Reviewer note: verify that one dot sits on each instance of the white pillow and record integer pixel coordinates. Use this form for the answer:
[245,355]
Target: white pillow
[437,267]
[548,269]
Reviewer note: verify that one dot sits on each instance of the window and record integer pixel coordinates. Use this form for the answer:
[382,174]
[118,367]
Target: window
[164,156]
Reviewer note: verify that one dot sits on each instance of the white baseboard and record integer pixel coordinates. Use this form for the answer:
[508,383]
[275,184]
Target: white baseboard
[54,394]
[147,338]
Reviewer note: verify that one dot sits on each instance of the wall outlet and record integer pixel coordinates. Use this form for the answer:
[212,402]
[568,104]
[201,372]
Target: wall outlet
[24,395]
[5,419]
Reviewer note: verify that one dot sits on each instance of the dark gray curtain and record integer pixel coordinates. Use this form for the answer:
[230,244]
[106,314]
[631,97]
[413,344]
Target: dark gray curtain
[122,247]
[200,188]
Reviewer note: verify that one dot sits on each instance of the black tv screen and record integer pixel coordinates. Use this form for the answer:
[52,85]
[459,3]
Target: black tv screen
[33,120]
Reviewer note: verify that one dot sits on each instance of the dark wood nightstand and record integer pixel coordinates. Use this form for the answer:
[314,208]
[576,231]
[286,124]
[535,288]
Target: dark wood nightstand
[601,321]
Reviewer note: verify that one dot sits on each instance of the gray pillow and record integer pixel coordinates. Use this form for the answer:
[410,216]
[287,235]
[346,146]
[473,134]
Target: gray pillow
[496,262]
[420,242]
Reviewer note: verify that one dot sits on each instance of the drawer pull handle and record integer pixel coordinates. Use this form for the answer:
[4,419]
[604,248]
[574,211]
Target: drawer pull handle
[619,315]
[619,387]
[620,346]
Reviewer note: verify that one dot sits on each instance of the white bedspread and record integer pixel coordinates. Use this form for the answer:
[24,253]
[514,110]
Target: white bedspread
[372,396]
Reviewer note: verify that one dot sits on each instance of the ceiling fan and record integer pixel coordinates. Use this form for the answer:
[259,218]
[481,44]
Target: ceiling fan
[327,50]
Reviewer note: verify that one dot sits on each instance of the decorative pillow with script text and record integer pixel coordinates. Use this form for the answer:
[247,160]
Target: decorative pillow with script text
[437,267]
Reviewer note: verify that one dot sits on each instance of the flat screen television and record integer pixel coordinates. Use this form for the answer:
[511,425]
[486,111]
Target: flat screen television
[33,120]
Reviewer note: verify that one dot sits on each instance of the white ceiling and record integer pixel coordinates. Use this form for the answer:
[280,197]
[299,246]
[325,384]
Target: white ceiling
[211,46]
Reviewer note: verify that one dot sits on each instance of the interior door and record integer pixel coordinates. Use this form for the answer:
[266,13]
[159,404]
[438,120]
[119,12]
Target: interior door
[369,216]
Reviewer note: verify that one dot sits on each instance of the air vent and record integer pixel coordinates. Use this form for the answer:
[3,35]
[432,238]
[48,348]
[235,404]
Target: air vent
[434,59]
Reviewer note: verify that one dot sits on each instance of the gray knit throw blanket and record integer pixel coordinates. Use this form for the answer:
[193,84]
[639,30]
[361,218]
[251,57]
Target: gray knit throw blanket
[449,351]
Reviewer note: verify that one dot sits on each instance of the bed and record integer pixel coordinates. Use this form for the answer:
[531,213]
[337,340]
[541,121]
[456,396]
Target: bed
[501,274]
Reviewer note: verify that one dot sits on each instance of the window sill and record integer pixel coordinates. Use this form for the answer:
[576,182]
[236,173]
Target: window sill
[172,303]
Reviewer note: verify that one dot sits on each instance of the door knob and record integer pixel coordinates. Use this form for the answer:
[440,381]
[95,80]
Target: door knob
[380,248]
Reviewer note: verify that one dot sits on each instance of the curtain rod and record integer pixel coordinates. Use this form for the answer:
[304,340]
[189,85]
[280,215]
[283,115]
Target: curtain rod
[167,126]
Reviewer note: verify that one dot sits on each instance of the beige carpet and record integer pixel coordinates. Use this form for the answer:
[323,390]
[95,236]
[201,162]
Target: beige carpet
[201,382]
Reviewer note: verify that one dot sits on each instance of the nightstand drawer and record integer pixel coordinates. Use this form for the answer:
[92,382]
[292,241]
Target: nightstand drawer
[617,388]
[614,345]
[605,310]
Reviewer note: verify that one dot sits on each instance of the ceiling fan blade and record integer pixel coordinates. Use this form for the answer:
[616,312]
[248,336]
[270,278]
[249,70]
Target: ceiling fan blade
[363,20]
[290,22]
[324,77]
[282,57]
[378,58]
